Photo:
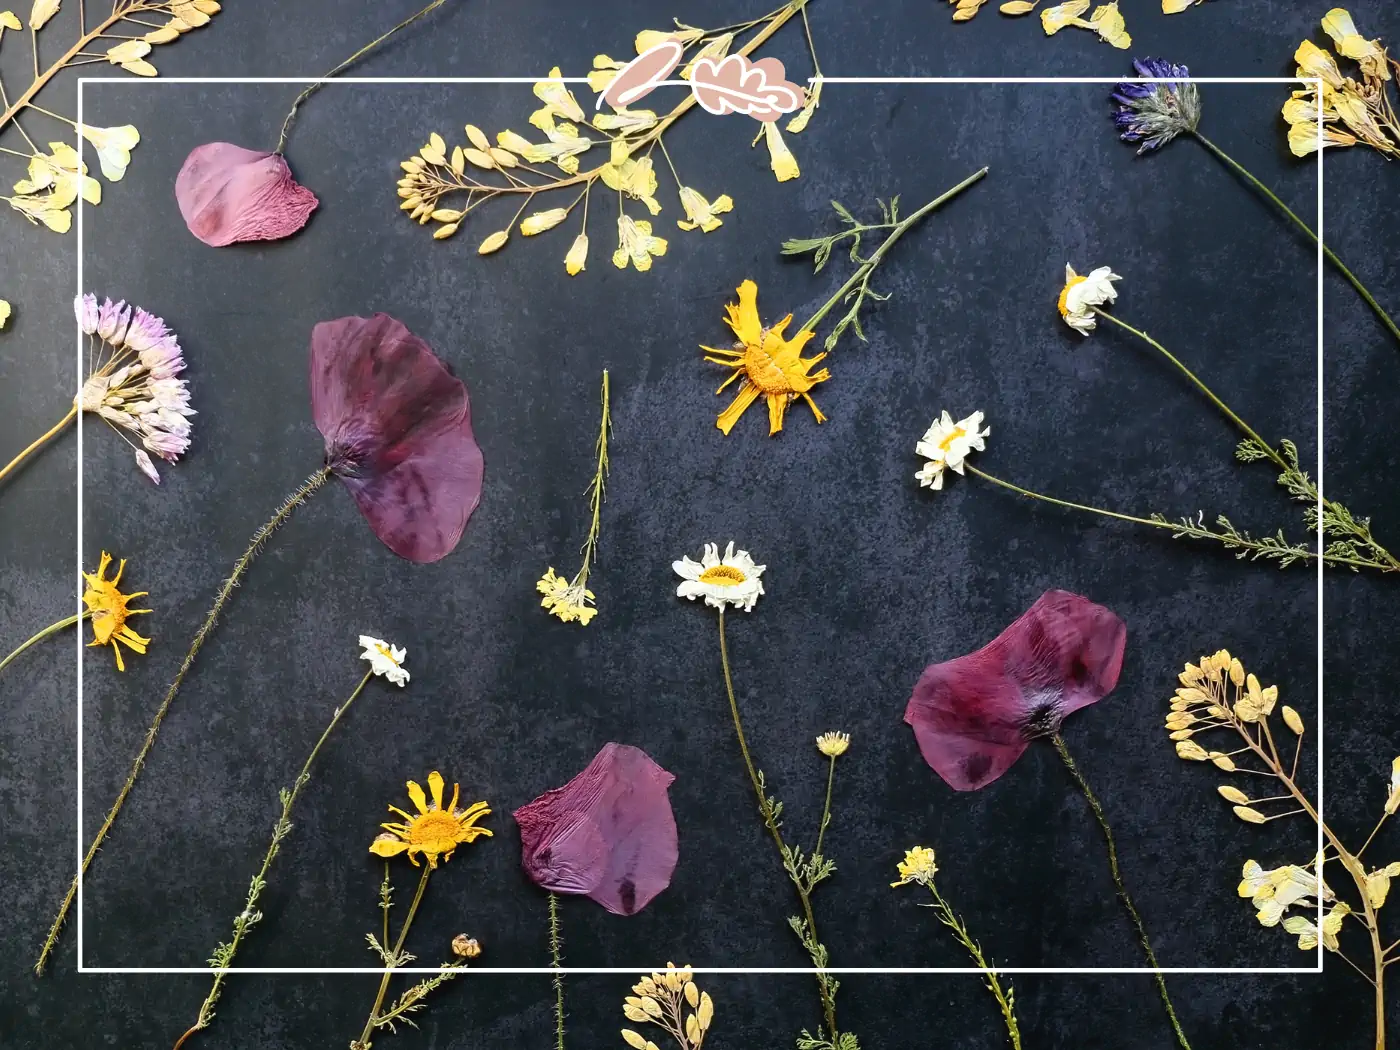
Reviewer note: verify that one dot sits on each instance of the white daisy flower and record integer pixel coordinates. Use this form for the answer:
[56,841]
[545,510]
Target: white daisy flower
[384,659]
[947,444]
[730,580]
[1081,294]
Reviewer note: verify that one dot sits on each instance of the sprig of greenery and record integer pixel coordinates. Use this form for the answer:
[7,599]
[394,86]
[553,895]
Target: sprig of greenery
[1006,1000]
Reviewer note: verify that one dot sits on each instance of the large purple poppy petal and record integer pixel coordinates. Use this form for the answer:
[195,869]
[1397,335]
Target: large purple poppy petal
[227,193]
[974,715]
[608,834]
[398,432]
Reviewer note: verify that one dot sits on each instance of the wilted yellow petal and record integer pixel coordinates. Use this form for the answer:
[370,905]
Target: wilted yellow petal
[41,12]
[1108,22]
[1053,19]
[493,243]
[10,20]
[814,96]
[543,220]
[780,158]
[578,255]
[649,38]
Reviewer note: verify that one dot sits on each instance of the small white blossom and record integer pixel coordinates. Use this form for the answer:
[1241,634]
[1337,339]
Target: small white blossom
[384,659]
[730,580]
[1081,294]
[947,444]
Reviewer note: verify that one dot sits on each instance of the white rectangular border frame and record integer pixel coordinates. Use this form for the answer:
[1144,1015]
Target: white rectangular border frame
[634,970]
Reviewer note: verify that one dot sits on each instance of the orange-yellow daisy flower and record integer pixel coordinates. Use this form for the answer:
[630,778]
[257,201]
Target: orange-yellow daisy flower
[766,362]
[108,607]
[433,831]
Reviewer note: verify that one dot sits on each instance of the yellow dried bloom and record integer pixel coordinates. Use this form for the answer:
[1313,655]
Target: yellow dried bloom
[636,178]
[1236,672]
[1378,884]
[1308,933]
[604,72]
[670,1001]
[780,158]
[577,257]
[493,243]
[434,831]
[1053,19]
[833,745]
[569,600]
[1363,109]
[558,101]
[9,20]
[636,244]
[917,866]
[649,38]
[465,947]
[109,610]
[701,213]
[814,96]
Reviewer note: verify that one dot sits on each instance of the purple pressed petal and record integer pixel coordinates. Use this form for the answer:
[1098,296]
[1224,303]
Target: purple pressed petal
[227,194]
[397,429]
[609,833]
[974,715]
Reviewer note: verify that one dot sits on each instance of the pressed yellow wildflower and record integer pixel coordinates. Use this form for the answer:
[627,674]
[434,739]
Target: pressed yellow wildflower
[833,745]
[109,609]
[917,866]
[433,831]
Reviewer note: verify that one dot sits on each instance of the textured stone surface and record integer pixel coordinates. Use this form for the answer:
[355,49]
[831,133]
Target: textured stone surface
[869,578]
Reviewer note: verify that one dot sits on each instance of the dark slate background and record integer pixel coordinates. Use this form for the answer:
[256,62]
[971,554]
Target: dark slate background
[869,577]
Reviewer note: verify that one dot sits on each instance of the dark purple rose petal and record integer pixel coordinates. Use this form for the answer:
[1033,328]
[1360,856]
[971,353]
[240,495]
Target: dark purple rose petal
[608,834]
[398,432]
[974,715]
[227,193]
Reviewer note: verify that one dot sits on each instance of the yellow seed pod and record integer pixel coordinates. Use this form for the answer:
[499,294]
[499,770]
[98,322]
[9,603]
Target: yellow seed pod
[1233,795]
[1236,672]
[693,1034]
[1017,7]
[706,1011]
[1182,734]
[1249,815]
[478,138]
[651,1006]
[445,231]
[493,243]
[634,1039]
[479,158]
[692,994]
[1191,751]
[1224,762]
[446,215]
[1292,720]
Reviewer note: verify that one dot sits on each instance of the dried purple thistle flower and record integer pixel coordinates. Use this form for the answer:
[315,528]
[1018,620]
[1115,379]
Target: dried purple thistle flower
[1154,114]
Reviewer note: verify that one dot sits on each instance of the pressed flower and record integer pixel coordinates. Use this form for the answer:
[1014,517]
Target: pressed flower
[398,433]
[1308,934]
[682,34]
[798,124]
[1351,113]
[433,832]
[229,194]
[608,834]
[721,581]
[833,745]
[974,715]
[384,659]
[569,600]
[636,244]
[1082,293]
[947,444]
[700,213]
[603,73]
[564,145]
[636,178]
[114,146]
[917,866]
[110,608]
[1368,54]
[766,362]
[1108,22]
[576,259]
[1053,19]
[1154,114]
[627,121]
[558,101]
[780,158]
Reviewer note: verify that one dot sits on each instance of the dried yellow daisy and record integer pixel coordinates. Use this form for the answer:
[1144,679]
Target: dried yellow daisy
[833,745]
[434,831]
[110,608]
[917,866]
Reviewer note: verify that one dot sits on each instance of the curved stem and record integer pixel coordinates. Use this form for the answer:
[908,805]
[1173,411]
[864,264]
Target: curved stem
[556,957]
[363,1042]
[1065,503]
[1094,805]
[39,442]
[260,537]
[826,807]
[828,1005]
[311,89]
[279,832]
[949,918]
[67,621]
[1243,172]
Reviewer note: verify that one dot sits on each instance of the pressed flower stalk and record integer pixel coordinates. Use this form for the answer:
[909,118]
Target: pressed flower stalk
[134,361]
[58,178]
[385,660]
[444,184]
[918,868]
[1349,113]
[1217,700]
[433,832]
[764,360]
[571,600]
[1151,115]
[228,194]
[397,430]
[672,1002]
[733,581]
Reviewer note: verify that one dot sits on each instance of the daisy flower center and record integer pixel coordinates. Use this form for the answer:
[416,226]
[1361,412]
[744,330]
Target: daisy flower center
[723,576]
[1064,293]
[953,435]
[385,652]
[434,831]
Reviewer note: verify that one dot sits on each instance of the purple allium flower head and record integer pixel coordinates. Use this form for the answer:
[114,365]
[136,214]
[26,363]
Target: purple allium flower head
[85,307]
[145,331]
[1154,114]
[973,716]
[112,319]
[398,433]
[608,834]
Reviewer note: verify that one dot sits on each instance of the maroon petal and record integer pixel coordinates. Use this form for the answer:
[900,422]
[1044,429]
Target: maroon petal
[608,834]
[398,433]
[974,715]
[227,193]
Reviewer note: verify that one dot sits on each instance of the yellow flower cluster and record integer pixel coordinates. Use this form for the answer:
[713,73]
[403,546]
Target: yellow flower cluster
[917,866]
[671,1001]
[1351,113]
[569,600]
[1106,20]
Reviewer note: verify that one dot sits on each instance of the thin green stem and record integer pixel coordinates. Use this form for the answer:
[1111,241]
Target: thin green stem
[863,272]
[363,1043]
[1005,1000]
[260,537]
[67,621]
[556,957]
[1143,939]
[310,89]
[1355,282]
[280,830]
[826,807]
[828,1001]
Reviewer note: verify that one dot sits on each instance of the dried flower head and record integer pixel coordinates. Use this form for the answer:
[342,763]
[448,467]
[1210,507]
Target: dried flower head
[917,866]
[433,831]
[1154,114]
[110,608]
[947,444]
[766,363]
[722,581]
[671,1001]
[1106,20]
[1082,293]
[569,600]
[833,745]
[465,947]
[133,384]
[1350,113]
[384,659]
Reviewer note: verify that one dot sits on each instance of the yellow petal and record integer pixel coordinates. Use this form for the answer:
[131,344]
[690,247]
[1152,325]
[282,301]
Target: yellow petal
[435,783]
[543,220]
[415,794]
[10,20]
[40,13]
[577,257]
[387,846]
[780,158]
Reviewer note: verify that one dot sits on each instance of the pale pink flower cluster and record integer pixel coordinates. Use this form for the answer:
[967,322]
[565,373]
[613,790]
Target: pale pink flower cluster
[133,385]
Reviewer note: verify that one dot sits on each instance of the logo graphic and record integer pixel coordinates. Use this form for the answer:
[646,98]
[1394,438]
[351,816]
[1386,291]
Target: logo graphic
[731,84]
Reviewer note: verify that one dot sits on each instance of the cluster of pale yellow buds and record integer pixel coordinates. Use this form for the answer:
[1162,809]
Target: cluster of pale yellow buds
[658,1000]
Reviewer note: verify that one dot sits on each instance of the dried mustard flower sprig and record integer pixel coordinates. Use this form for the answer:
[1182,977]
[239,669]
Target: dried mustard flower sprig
[385,660]
[571,600]
[56,179]
[1216,698]
[672,1002]
[445,185]
[733,580]
[1363,109]
[1152,114]
[919,867]
[434,831]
